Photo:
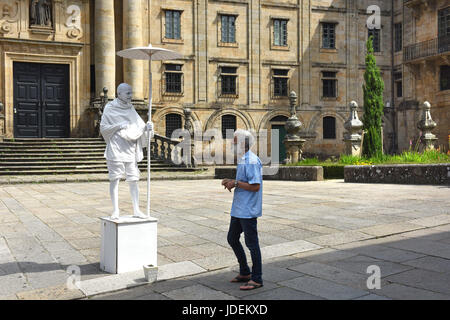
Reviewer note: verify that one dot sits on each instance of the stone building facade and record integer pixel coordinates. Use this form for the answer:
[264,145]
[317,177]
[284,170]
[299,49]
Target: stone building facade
[241,60]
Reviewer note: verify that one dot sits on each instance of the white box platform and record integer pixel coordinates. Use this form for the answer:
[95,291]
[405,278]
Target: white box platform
[128,244]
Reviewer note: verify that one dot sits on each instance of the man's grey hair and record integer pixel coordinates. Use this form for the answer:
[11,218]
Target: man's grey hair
[244,135]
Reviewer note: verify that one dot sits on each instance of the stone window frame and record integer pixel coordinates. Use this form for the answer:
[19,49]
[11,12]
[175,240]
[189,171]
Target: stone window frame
[163,79]
[219,82]
[321,33]
[163,26]
[336,79]
[220,43]
[272,82]
[272,33]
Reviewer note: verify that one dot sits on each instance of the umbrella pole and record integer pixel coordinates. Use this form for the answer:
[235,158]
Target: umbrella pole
[149,137]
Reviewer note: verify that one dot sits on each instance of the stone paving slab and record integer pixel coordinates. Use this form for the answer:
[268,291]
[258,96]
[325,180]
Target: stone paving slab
[324,226]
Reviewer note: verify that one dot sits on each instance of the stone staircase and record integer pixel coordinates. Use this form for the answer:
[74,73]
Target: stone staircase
[63,156]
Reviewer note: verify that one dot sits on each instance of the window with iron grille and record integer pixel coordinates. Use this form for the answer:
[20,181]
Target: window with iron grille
[173,24]
[328,35]
[398,27]
[444,22]
[329,84]
[280,82]
[445,78]
[376,33]
[173,78]
[228,29]
[228,76]
[173,122]
[228,123]
[280,32]
[398,84]
[329,128]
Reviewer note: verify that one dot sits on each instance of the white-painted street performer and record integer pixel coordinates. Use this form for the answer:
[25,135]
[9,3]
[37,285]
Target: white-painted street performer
[125,134]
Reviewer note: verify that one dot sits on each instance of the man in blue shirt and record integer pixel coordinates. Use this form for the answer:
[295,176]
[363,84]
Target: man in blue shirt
[246,208]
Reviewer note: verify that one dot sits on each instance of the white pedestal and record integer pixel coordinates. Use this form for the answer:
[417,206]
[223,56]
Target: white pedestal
[128,244]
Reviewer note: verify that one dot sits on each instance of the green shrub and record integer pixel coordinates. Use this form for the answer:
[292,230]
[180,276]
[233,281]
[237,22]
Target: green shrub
[333,172]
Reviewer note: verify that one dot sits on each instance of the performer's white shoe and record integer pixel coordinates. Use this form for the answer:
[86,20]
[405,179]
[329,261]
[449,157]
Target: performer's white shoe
[115,216]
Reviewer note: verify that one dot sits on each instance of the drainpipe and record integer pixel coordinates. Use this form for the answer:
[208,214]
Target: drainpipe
[394,105]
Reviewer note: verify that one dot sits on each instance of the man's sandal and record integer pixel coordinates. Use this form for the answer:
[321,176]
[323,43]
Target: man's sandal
[240,279]
[251,286]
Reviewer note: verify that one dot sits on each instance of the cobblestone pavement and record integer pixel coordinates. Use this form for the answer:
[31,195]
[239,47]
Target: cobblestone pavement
[317,238]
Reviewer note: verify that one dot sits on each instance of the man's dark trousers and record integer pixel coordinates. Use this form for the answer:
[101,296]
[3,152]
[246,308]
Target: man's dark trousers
[249,227]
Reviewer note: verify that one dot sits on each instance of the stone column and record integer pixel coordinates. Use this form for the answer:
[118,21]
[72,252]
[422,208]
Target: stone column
[292,141]
[352,137]
[132,37]
[105,48]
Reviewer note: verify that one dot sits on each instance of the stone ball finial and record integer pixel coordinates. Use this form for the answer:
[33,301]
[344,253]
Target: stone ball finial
[1,107]
[427,105]
[187,112]
[105,90]
[353,105]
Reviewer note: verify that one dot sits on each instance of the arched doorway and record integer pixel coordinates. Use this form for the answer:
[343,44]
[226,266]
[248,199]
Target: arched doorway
[278,133]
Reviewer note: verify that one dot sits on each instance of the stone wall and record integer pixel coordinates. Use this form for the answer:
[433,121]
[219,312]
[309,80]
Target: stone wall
[284,173]
[431,174]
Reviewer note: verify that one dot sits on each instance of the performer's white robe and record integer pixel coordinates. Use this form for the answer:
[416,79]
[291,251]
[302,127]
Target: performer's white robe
[124,145]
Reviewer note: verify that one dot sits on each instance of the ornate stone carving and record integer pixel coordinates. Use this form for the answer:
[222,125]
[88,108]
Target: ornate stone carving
[352,137]
[426,125]
[41,13]
[8,15]
[293,142]
[73,22]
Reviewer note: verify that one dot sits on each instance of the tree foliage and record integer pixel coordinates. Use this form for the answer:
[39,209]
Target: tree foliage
[373,88]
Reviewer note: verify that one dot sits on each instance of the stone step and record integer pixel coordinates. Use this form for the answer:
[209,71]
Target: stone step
[86,171]
[39,140]
[52,164]
[28,149]
[13,160]
[52,143]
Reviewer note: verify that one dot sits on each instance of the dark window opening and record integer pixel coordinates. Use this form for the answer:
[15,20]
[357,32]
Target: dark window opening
[329,128]
[329,83]
[329,35]
[376,39]
[228,123]
[228,79]
[173,122]
[280,81]
[445,78]
[398,84]
[174,78]
[398,37]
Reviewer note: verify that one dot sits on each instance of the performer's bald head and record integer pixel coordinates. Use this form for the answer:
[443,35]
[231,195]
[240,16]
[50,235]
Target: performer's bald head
[124,92]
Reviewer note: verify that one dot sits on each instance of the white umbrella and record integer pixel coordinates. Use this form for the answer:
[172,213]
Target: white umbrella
[152,54]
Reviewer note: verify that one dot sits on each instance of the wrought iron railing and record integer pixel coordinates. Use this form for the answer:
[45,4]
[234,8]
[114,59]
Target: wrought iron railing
[427,48]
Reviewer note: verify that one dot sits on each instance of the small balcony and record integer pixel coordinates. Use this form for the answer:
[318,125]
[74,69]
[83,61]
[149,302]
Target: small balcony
[427,49]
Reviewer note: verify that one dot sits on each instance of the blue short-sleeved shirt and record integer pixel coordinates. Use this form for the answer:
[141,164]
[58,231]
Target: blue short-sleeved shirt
[247,204]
